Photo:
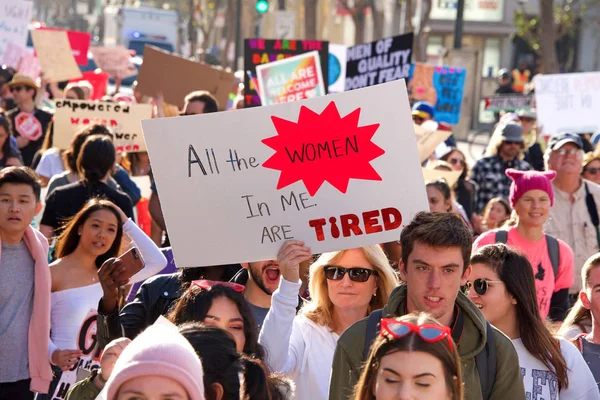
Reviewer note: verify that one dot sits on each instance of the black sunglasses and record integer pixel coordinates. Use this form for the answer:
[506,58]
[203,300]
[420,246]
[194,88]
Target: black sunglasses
[480,286]
[16,88]
[355,274]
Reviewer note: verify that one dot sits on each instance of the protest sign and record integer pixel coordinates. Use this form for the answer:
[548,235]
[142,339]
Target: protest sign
[451,177]
[87,343]
[378,62]
[13,54]
[441,87]
[116,61]
[30,66]
[55,55]
[184,76]
[337,67]
[79,42]
[123,120]
[568,102]
[290,79]
[508,102]
[263,51]
[428,140]
[268,185]
[14,19]
[98,80]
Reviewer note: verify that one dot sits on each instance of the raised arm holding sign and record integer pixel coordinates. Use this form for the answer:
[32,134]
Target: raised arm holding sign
[307,170]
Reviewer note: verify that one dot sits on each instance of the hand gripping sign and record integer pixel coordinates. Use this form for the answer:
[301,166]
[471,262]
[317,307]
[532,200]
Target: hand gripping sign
[337,172]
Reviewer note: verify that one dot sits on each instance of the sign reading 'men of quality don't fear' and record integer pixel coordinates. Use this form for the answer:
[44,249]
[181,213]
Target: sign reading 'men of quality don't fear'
[336,172]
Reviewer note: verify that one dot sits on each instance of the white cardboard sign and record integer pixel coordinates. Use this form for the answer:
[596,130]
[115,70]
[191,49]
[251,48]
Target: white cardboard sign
[123,120]
[336,172]
[568,102]
[14,18]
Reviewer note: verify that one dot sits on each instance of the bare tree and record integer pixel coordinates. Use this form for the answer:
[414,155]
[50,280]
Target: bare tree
[357,11]
[310,19]
[377,11]
[422,33]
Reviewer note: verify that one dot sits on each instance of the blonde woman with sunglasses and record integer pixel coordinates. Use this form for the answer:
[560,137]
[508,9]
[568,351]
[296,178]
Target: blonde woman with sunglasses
[345,286]
[502,286]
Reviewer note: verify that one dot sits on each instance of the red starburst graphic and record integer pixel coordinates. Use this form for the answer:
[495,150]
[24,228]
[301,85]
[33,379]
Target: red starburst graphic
[323,147]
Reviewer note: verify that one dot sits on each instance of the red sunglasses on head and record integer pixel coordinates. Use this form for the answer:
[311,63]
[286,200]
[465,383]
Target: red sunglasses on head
[207,285]
[428,332]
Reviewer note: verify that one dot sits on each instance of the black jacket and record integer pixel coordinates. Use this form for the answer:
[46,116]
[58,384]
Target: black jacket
[154,299]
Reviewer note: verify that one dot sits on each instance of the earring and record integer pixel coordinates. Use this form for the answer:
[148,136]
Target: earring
[375,294]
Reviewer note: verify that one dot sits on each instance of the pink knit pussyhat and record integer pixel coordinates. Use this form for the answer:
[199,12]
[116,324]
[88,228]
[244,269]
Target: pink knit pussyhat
[524,181]
[159,351]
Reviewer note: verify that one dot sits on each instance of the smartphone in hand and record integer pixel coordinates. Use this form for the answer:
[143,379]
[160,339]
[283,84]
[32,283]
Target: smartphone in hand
[133,263]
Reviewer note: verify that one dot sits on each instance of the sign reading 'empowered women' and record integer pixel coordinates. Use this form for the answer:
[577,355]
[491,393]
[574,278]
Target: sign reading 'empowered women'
[307,170]
[378,62]
[122,119]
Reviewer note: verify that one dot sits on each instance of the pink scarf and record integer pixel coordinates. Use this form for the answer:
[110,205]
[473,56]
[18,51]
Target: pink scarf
[40,371]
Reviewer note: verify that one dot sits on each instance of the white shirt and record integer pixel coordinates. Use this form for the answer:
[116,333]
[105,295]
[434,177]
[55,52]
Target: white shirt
[571,222]
[50,164]
[541,383]
[297,346]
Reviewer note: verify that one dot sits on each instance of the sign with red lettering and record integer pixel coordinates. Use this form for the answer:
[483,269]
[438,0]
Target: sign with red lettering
[123,120]
[264,51]
[292,79]
[335,171]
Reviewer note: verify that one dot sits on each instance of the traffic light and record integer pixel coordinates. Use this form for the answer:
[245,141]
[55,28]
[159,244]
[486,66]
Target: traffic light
[262,6]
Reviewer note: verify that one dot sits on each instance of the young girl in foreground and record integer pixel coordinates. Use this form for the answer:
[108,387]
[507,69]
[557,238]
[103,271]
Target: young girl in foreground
[502,286]
[414,357]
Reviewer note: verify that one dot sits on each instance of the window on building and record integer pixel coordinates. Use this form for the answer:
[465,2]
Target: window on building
[491,57]
[435,45]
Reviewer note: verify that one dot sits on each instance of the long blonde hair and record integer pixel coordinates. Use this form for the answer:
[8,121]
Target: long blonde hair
[320,309]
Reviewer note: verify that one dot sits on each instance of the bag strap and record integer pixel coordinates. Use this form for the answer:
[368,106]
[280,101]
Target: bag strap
[372,331]
[485,361]
[578,341]
[501,236]
[593,211]
[554,253]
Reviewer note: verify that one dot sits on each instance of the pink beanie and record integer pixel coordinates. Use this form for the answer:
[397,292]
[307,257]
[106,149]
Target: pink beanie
[524,181]
[159,351]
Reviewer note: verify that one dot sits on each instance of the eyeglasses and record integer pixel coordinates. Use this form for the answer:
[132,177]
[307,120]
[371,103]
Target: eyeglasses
[428,332]
[16,89]
[592,171]
[455,161]
[571,152]
[207,285]
[355,274]
[513,143]
[480,286]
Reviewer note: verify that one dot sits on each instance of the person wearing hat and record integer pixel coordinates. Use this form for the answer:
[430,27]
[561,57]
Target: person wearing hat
[157,362]
[534,143]
[574,217]
[489,172]
[423,111]
[531,197]
[28,123]
[591,167]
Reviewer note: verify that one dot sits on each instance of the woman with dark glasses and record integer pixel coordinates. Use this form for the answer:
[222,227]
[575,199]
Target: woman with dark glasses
[414,357]
[591,167]
[345,286]
[503,287]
